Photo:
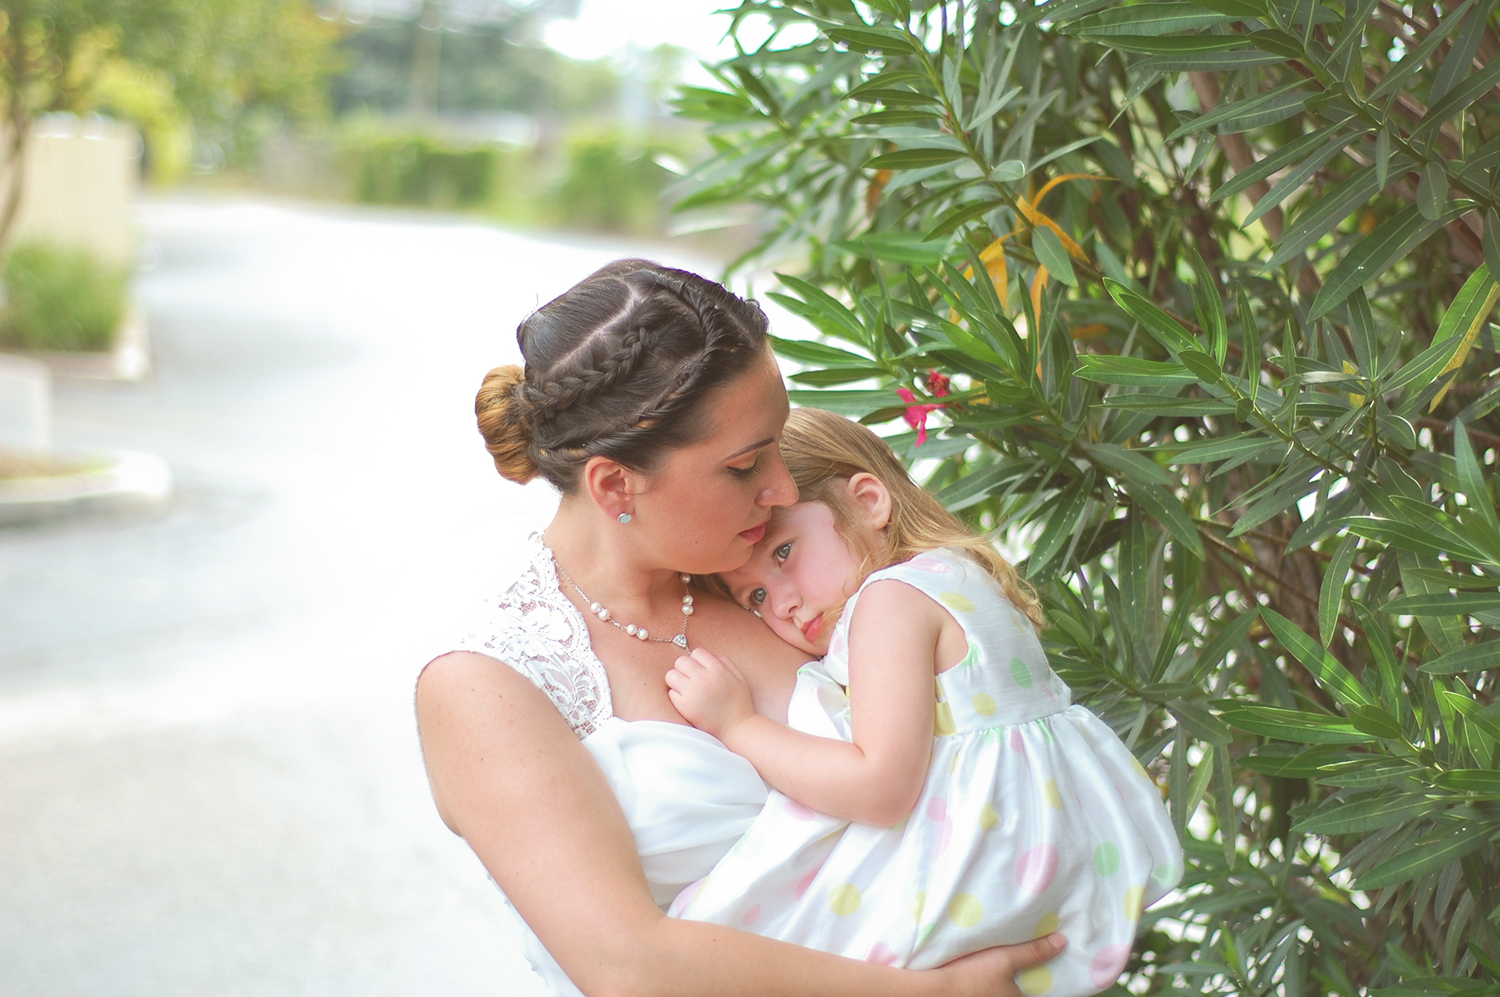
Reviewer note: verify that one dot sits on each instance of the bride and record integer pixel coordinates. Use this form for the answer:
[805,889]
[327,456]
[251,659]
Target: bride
[650,399]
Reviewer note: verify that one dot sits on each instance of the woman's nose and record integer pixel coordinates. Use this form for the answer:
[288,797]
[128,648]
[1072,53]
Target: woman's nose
[778,489]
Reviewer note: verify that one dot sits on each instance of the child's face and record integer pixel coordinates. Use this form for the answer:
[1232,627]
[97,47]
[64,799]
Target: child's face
[799,576]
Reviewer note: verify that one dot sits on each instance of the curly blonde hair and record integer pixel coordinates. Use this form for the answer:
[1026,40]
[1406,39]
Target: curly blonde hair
[824,450]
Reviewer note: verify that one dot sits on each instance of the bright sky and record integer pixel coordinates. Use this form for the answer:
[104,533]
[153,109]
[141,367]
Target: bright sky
[609,27]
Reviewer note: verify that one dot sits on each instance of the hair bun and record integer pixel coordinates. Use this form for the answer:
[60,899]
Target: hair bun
[504,423]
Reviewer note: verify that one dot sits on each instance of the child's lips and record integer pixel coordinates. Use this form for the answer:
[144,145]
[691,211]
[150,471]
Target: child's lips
[812,628]
[755,533]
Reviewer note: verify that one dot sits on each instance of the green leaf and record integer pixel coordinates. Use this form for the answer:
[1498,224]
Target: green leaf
[1474,658]
[1067,511]
[1207,62]
[895,247]
[857,404]
[1200,722]
[1170,44]
[808,352]
[1051,254]
[1274,163]
[1202,365]
[1473,304]
[1460,97]
[821,308]
[1278,43]
[1372,255]
[1208,305]
[1331,675]
[1331,594]
[1470,780]
[1444,604]
[1295,178]
[1399,534]
[1363,815]
[1162,327]
[1008,171]
[1323,215]
[1292,725]
[1128,463]
[1428,855]
[1225,641]
[1158,18]
[1492,240]
[977,485]
[1237,112]
[1166,510]
[1471,483]
[880,39]
[832,376]
[1111,369]
[1414,58]
[1224,448]
[1484,718]
[1432,191]
[913,159]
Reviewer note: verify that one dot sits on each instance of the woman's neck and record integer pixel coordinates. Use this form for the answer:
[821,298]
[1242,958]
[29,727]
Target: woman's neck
[601,559]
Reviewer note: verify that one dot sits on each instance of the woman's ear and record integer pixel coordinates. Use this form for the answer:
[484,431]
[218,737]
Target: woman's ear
[872,498]
[610,485]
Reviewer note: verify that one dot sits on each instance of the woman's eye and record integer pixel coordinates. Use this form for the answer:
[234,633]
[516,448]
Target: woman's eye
[747,470]
[784,551]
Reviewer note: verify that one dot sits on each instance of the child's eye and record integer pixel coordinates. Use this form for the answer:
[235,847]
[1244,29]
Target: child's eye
[757,598]
[783,552]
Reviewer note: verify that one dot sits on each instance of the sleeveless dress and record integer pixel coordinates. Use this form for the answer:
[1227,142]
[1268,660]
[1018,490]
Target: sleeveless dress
[686,797]
[1034,818]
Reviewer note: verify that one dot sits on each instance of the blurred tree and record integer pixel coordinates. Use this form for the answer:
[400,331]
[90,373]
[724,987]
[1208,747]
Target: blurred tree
[218,59]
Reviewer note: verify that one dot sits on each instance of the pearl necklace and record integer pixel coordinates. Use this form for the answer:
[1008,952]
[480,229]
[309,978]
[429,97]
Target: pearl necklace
[640,633]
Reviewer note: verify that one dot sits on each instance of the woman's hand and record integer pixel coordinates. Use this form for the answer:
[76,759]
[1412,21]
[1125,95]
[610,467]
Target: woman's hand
[709,692]
[992,972]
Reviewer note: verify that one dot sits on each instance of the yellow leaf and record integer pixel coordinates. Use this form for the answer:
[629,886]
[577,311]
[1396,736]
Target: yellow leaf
[1037,287]
[1047,187]
[1037,218]
[993,258]
[1355,399]
[1092,330]
[1471,334]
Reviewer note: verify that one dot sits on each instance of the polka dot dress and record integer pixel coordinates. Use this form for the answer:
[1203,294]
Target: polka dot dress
[1034,818]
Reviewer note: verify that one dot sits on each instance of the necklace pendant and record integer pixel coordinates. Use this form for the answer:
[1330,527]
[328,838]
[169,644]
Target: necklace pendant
[681,641]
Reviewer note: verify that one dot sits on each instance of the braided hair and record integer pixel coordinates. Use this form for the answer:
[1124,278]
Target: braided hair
[618,366]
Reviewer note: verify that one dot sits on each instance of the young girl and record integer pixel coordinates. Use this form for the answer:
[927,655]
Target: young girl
[916,827]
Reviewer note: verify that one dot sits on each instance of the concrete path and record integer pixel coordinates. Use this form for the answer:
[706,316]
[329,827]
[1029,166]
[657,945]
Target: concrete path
[209,775]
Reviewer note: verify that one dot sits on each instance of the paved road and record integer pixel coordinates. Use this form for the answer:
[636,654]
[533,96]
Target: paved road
[209,778]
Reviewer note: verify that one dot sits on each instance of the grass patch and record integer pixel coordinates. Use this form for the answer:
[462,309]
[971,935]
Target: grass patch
[59,298]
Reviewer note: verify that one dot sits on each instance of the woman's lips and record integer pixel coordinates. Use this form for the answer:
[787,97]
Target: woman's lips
[754,534]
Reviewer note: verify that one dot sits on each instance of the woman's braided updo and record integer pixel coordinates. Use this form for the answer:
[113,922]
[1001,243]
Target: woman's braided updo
[618,366]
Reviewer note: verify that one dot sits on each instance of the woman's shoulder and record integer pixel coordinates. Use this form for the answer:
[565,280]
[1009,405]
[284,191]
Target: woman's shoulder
[526,623]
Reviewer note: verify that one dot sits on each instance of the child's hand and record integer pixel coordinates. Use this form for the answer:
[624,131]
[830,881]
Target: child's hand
[709,692]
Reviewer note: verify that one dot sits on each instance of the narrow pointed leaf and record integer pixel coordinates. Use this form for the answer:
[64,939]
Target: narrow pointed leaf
[1331,675]
[1372,255]
[1428,855]
[1331,595]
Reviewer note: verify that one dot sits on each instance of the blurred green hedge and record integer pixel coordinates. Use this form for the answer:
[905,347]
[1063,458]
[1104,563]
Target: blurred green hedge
[420,170]
[60,298]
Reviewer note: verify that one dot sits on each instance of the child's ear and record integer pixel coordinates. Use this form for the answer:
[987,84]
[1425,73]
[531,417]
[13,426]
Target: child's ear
[872,497]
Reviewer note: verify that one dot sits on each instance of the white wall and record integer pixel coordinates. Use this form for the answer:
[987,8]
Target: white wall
[79,186]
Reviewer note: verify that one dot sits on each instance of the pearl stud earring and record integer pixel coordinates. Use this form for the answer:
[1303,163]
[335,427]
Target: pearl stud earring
[624,518]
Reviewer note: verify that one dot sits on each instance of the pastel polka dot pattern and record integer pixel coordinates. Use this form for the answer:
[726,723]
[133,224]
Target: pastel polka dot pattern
[1037,867]
[1050,792]
[1021,672]
[942,723]
[806,881]
[1017,742]
[845,899]
[751,916]
[988,818]
[957,602]
[965,910]
[1135,763]
[984,704]
[1047,925]
[839,643]
[799,811]
[1107,859]
[881,955]
[1165,875]
[937,808]
[918,905]
[1107,965]
[1035,981]
[1133,898]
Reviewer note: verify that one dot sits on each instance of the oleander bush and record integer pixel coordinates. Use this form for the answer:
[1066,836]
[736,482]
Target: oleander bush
[60,298]
[1190,301]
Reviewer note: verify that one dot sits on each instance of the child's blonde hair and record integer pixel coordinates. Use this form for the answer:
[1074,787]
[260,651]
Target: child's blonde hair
[823,450]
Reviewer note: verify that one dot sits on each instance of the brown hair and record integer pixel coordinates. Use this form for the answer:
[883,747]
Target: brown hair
[617,366]
[823,451]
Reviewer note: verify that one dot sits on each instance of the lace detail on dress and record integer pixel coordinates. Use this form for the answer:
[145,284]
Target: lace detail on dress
[532,627]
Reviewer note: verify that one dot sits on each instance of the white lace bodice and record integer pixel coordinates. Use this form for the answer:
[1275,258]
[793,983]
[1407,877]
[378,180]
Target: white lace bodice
[535,629]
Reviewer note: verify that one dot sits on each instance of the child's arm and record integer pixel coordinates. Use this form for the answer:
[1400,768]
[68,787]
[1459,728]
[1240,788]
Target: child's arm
[876,779]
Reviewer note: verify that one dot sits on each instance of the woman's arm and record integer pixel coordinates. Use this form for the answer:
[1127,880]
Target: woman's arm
[874,780]
[509,776]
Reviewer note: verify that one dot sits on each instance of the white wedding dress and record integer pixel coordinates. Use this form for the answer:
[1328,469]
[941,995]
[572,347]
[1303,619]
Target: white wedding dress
[686,796]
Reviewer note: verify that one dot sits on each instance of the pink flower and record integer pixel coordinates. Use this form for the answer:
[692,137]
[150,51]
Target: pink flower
[937,383]
[916,415]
